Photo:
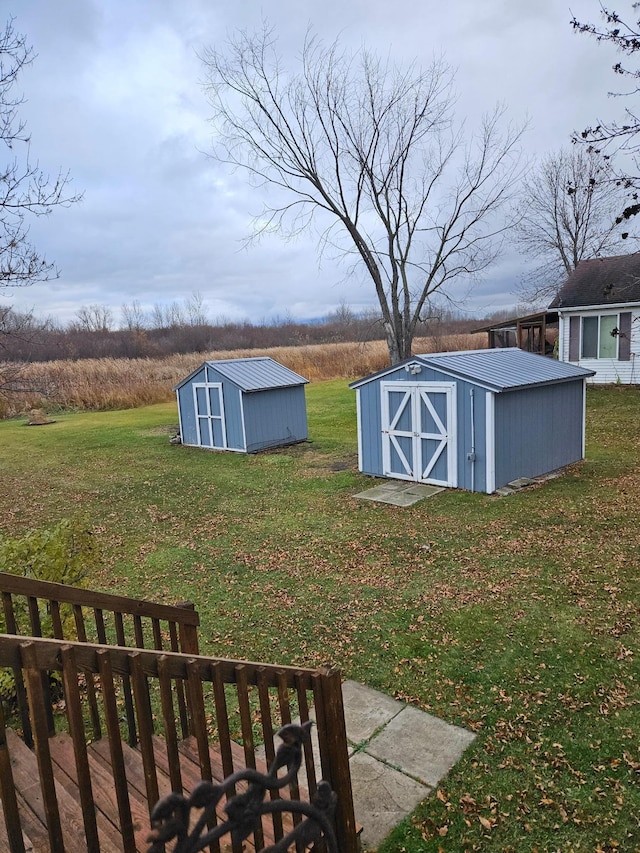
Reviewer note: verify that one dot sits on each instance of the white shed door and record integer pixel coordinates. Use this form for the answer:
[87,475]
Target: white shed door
[419,432]
[209,408]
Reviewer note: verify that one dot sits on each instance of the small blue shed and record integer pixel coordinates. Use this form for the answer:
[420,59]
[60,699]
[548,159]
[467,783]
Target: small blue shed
[242,404]
[475,420]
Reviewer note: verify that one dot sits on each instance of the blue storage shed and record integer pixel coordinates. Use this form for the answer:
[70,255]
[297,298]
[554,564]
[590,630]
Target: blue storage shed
[242,404]
[475,420]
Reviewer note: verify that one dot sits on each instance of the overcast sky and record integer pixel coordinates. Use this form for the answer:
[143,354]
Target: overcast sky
[115,96]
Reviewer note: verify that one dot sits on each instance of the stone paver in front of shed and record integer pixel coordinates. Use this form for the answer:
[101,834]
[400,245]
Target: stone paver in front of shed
[399,494]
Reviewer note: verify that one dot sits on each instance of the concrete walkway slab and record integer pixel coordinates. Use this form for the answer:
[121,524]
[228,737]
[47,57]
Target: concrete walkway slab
[397,756]
[424,746]
[366,710]
[401,754]
[382,797]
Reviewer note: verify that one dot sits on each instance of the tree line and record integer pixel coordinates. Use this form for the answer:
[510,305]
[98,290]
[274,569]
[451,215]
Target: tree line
[166,331]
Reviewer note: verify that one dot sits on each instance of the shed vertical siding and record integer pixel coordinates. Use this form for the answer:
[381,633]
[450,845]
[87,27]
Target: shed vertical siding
[274,417]
[186,409]
[537,430]
[472,473]
[232,397]
[370,427]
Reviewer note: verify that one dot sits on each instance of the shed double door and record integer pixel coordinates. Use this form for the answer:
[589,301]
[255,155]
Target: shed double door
[419,432]
[209,407]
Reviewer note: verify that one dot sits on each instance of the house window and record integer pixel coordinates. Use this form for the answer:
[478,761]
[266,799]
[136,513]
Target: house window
[597,338]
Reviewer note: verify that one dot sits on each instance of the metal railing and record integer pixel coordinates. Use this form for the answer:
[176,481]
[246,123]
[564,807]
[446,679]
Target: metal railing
[172,819]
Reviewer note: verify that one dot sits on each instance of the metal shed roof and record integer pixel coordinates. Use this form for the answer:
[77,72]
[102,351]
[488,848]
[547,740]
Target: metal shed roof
[257,373]
[496,369]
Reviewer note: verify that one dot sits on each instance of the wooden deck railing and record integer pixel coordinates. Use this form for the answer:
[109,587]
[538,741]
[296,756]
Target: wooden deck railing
[34,608]
[133,724]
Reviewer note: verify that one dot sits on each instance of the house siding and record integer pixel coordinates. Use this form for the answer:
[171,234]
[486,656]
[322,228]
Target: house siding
[607,370]
[538,430]
[274,418]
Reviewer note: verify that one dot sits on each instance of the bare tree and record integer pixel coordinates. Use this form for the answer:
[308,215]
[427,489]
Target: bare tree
[20,326]
[25,190]
[619,141]
[133,318]
[343,315]
[20,334]
[369,153]
[568,210]
[94,318]
[174,315]
[157,319]
[196,311]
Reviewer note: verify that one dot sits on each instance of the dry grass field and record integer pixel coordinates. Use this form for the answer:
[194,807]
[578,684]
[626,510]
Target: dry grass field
[109,383]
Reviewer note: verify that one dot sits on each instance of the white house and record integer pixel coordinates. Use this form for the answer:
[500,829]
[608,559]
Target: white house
[599,318]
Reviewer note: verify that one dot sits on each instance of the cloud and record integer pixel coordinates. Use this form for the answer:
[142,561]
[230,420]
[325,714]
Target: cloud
[115,96]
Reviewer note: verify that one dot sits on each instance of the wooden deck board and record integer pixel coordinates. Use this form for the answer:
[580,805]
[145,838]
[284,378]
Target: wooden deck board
[103,791]
[24,766]
[30,804]
[25,770]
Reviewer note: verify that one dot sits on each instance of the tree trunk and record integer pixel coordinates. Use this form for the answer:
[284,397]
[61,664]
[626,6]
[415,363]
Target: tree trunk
[399,344]
[392,344]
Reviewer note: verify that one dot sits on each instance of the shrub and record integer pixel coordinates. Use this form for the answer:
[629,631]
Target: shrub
[60,554]
[64,553]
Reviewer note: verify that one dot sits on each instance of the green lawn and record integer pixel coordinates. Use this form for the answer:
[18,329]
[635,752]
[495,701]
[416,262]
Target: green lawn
[517,617]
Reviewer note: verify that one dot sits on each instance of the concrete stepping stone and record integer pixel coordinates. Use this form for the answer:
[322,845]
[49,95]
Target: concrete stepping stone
[397,756]
[366,710]
[382,797]
[422,745]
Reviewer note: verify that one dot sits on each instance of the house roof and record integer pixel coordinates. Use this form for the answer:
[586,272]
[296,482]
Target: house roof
[601,281]
[528,319]
[252,374]
[495,369]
